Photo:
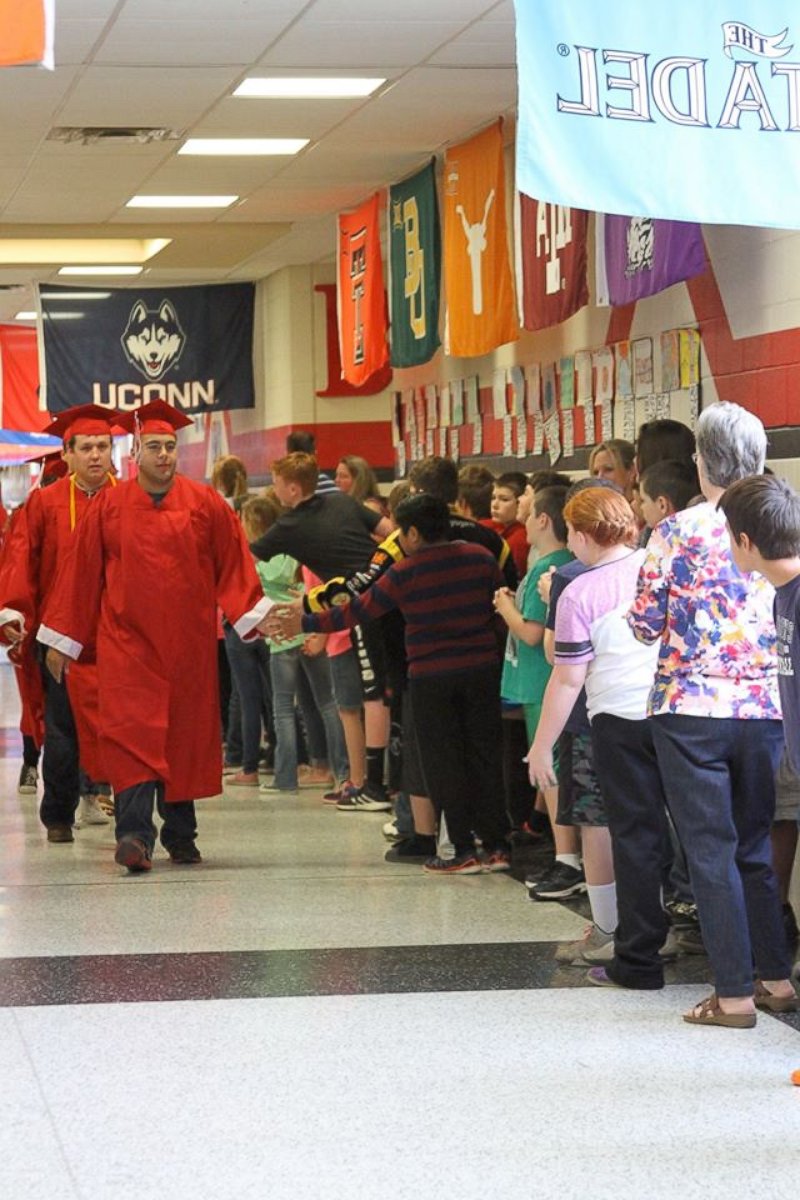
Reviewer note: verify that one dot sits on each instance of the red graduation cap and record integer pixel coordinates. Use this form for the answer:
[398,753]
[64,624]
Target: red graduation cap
[53,467]
[155,417]
[88,419]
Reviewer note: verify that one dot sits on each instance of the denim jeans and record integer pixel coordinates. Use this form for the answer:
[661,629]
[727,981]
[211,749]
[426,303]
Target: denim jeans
[134,813]
[249,662]
[285,667]
[719,777]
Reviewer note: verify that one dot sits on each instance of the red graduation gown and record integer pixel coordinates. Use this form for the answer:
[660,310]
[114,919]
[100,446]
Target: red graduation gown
[145,579]
[37,539]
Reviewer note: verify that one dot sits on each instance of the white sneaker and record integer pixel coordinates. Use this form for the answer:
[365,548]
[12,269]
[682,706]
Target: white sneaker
[90,813]
[594,947]
[390,831]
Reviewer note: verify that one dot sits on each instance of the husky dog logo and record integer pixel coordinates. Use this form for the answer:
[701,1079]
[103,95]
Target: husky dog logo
[639,246]
[153,340]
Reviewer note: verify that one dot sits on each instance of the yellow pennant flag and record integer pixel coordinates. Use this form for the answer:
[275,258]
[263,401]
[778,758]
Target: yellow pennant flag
[481,312]
[26,33]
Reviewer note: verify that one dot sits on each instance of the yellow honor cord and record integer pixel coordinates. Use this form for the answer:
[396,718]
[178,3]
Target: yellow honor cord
[110,480]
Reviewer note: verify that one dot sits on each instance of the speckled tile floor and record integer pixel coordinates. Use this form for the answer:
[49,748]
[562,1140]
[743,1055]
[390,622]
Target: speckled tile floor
[298,1019]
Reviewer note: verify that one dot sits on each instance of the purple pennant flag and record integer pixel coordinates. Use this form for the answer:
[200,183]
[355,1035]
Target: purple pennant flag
[639,256]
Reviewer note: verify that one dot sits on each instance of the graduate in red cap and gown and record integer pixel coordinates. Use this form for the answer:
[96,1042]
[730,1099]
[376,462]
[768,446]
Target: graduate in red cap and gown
[37,542]
[24,657]
[149,566]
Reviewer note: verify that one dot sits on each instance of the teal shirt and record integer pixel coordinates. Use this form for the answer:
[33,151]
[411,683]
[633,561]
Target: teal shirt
[525,668]
[278,577]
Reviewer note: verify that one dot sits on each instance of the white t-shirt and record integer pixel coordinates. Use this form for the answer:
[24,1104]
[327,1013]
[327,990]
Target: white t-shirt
[591,628]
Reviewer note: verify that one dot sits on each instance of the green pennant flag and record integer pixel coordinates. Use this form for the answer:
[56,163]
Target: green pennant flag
[415,255]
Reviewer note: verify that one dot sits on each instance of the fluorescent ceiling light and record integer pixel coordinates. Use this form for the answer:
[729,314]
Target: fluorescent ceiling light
[181,201]
[291,88]
[100,270]
[62,316]
[243,146]
[17,251]
[59,295]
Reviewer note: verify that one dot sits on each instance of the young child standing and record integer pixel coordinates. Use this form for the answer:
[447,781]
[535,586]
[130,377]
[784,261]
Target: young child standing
[665,488]
[505,520]
[525,668]
[763,515]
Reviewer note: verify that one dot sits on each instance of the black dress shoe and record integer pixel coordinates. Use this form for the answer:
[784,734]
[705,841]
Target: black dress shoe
[132,853]
[60,833]
[418,848]
[184,854]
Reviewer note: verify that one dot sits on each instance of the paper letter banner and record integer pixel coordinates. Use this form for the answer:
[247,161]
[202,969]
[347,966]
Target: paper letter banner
[26,33]
[361,302]
[415,254]
[670,110]
[479,288]
[190,346]
[637,256]
[551,262]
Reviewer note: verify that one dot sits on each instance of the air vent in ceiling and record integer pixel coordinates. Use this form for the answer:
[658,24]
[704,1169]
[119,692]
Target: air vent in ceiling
[92,135]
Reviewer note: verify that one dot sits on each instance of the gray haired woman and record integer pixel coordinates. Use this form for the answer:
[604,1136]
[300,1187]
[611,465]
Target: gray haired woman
[717,725]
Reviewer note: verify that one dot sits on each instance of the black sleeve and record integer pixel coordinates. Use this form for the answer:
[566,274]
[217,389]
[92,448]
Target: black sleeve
[272,542]
[368,515]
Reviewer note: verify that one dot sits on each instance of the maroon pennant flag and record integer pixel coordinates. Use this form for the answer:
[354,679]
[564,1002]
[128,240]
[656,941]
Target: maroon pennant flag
[551,262]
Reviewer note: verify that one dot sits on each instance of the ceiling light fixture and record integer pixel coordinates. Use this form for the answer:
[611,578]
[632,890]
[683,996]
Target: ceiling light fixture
[25,316]
[314,88]
[100,270]
[95,294]
[243,146]
[181,201]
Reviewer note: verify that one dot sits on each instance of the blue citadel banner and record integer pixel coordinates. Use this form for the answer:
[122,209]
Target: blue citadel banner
[190,346]
[688,110]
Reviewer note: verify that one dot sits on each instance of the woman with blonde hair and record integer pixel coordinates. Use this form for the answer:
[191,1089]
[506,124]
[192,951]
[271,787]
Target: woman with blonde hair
[615,459]
[229,478]
[355,476]
[595,647]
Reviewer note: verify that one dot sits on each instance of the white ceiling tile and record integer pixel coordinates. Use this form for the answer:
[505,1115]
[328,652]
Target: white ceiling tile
[75,39]
[145,95]
[73,10]
[358,45]
[417,11]
[482,45]
[31,95]
[209,10]
[57,208]
[275,118]
[176,43]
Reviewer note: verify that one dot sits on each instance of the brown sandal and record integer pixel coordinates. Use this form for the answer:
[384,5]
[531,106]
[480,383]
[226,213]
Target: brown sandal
[708,1012]
[767,1000]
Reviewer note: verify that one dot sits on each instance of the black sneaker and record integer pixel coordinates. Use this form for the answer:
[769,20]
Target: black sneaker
[559,884]
[418,848]
[682,912]
[28,780]
[185,854]
[366,799]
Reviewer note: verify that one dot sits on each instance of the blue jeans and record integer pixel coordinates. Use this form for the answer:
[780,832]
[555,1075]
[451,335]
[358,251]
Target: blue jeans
[249,662]
[134,813]
[719,778]
[285,667]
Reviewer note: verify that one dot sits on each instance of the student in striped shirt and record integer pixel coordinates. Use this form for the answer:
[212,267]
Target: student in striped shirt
[445,591]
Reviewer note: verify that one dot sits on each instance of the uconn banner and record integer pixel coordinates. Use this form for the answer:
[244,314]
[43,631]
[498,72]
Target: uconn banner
[191,346]
[688,111]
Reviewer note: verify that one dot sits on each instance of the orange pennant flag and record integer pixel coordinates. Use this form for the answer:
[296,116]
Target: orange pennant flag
[26,33]
[360,296]
[481,311]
